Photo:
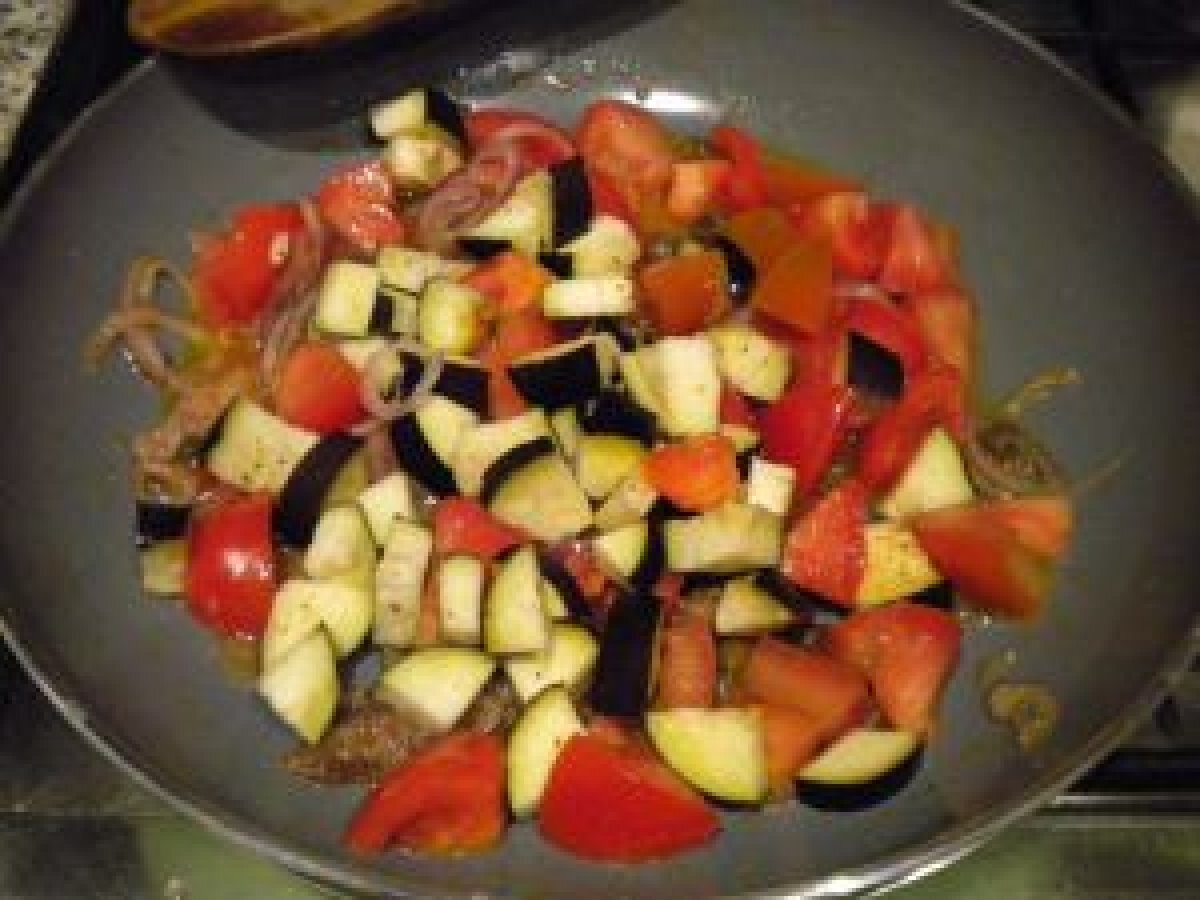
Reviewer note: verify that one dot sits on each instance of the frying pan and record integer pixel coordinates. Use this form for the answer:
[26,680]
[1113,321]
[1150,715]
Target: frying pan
[1080,243]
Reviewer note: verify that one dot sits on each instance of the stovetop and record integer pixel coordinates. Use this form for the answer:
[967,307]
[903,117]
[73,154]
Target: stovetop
[1141,807]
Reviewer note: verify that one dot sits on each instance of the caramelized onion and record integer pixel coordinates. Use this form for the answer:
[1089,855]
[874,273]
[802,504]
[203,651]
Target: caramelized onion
[1005,460]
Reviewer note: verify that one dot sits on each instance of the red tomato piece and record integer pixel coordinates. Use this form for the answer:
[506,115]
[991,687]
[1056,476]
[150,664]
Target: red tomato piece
[627,144]
[696,474]
[734,409]
[669,589]
[931,398]
[695,185]
[791,739]
[607,198]
[892,328]
[914,263]
[515,335]
[462,525]
[746,185]
[820,357]
[858,232]
[448,798]
[687,662]
[542,143]
[797,288]
[908,652]
[832,693]
[825,551]
[681,295]
[946,321]
[319,389]
[231,572]
[804,428]
[1043,522]
[511,281]
[234,273]
[763,234]
[614,802]
[984,557]
[359,204]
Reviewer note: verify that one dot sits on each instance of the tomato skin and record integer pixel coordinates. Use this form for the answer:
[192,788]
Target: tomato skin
[541,151]
[358,203]
[607,198]
[914,263]
[985,560]
[696,474]
[746,185]
[463,525]
[234,273]
[687,664]
[319,389]
[908,652]
[946,321]
[859,233]
[797,288]
[833,693]
[230,578]
[804,427]
[684,294]
[825,550]
[614,802]
[448,798]
[515,335]
[588,574]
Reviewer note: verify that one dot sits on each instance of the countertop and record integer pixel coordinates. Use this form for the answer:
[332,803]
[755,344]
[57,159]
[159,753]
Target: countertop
[28,31]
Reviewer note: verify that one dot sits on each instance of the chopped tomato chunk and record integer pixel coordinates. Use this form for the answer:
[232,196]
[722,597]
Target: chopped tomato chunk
[448,798]
[791,739]
[804,428]
[462,525]
[359,203]
[511,281]
[907,651]
[914,262]
[231,572]
[683,294]
[797,288]
[930,399]
[235,273]
[859,233]
[319,389]
[986,559]
[695,474]
[746,185]
[763,234]
[825,551]
[614,802]
[627,144]
[833,693]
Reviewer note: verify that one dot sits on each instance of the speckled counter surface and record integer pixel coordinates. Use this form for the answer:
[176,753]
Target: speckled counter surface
[28,31]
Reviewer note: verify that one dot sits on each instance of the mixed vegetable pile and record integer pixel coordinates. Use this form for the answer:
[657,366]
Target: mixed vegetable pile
[644,465]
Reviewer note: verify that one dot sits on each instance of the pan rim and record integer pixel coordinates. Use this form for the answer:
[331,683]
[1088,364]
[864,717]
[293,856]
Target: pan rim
[890,871]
